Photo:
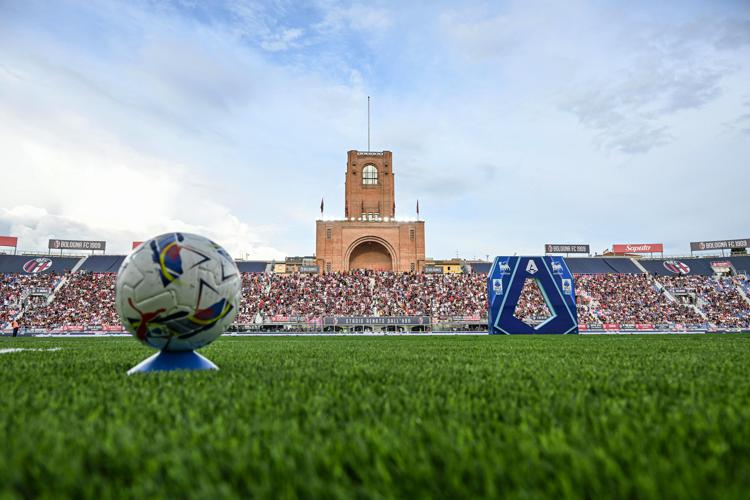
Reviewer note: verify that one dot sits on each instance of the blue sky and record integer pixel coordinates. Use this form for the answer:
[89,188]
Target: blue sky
[514,123]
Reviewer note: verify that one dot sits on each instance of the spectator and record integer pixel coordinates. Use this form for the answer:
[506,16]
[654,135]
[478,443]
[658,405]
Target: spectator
[89,298]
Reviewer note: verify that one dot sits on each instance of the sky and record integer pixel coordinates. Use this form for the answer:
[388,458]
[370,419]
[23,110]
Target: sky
[514,124]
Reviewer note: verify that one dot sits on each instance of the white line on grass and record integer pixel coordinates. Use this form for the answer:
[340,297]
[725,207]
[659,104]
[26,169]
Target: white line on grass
[21,349]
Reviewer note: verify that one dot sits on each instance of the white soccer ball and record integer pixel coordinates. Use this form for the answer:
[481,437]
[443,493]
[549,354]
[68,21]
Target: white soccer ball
[178,291]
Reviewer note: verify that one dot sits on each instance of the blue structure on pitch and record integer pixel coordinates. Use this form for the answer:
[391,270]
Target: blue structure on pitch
[505,282]
[173,360]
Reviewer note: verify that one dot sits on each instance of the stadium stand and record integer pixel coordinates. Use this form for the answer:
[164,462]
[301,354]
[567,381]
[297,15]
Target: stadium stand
[601,265]
[481,267]
[667,267]
[692,265]
[743,282]
[102,263]
[582,265]
[628,299]
[718,298]
[32,264]
[84,299]
[21,291]
[611,291]
[111,263]
[741,264]
[252,266]
[531,308]
[363,293]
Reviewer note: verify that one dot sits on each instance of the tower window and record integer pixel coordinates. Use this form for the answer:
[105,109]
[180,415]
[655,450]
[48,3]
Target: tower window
[370,175]
[411,234]
[329,233]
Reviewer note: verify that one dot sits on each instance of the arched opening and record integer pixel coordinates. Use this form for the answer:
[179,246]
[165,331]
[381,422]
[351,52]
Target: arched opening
[371,255]
[370,175]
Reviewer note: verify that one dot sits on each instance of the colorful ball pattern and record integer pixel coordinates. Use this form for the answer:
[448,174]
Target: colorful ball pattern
[178,291]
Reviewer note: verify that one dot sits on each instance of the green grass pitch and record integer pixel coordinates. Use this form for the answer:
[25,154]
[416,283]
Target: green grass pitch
[414,417]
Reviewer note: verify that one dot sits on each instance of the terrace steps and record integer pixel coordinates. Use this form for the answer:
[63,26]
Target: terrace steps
[638,265]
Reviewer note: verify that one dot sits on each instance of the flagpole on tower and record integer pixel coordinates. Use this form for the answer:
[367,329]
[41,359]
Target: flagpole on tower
[368,123]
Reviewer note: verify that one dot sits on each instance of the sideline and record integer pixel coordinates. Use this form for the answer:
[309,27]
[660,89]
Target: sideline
[22,349]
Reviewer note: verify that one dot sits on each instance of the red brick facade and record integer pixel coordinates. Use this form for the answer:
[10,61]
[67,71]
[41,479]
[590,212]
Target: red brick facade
[369,237]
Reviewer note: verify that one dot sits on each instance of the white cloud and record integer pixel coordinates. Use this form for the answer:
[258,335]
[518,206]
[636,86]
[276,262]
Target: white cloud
[369,20]
[131,119]
[288,38]
[664,75]
[482,38]
[187,132]
[70,180]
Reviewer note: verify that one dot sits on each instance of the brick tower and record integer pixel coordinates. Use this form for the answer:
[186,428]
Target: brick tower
[369,237]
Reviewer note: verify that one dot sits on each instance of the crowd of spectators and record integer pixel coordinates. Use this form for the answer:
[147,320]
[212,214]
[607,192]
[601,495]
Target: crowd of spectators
[532,309]
[628,299]
[89,298]
[743,282]
[84,299]
[718,298]
[362,293]
[17,292]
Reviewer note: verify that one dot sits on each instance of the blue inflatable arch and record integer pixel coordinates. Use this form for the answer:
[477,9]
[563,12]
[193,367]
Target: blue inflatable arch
[505,282]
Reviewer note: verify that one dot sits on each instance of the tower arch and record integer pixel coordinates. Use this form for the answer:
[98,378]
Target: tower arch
[369,236]
[370,252]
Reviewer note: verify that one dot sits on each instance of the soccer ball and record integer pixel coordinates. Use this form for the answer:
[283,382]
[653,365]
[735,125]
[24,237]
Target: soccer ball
[177,291]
